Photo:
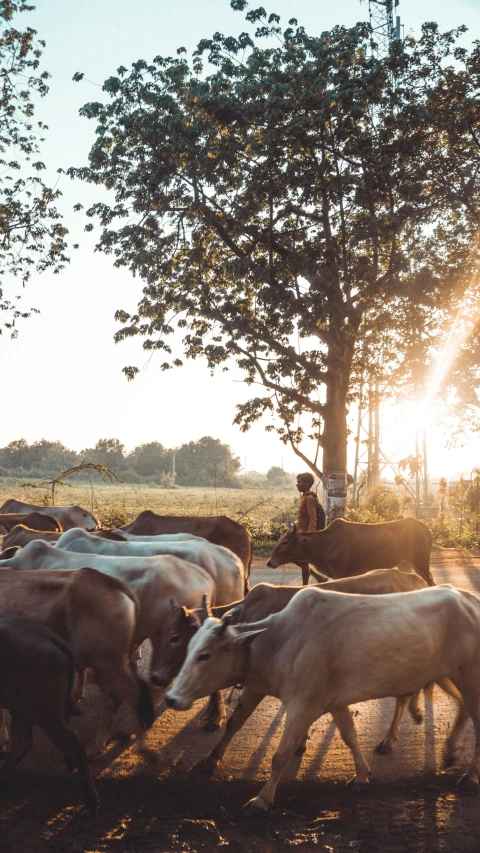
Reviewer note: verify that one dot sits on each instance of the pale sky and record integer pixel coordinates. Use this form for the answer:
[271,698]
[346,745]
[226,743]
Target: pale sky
[62,378]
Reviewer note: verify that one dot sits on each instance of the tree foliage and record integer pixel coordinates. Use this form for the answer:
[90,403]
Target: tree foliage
[277,476]
[305,209]
[206,462]
[32,237]
[151,459]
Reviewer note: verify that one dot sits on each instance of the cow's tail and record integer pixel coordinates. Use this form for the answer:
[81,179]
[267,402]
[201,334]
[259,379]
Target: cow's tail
[70,709]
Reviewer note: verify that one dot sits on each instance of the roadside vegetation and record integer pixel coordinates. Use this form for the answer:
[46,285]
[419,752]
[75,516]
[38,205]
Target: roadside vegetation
[266,510]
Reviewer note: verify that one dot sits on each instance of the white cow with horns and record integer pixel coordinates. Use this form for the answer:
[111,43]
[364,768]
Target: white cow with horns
[328,650]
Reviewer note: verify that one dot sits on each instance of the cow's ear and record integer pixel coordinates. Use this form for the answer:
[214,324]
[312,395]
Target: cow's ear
[10,552]
[244,638]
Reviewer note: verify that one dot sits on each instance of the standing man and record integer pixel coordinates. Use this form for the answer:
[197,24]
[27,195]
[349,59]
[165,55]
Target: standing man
[311,516]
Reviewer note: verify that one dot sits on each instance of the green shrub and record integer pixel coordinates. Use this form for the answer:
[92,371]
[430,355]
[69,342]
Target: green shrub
[112,517]
[450,534]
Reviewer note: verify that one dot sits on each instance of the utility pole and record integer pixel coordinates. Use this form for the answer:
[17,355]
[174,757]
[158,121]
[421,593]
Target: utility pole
[385,25]
[376,439]
[425,469]
[368,425]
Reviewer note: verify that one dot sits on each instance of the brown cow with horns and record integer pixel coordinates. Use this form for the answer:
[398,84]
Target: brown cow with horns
[347,548]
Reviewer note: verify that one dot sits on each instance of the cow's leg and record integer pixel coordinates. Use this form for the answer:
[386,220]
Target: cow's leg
[214,712]
[453,739]
[386,745]
[21,743]
[4,736]
[344,721]
[302,747]
[119,684]
[305,572]
[471,698]
[414,707]
[246,705]
[75,757]
[297,723]
[113,703]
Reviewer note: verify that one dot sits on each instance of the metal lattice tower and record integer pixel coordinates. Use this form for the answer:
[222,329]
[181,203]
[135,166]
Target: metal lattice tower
[385,25]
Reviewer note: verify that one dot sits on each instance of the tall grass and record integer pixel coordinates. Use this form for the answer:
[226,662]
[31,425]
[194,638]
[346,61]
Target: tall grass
[255,506]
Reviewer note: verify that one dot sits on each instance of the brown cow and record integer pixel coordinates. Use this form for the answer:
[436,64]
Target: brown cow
[36,675]
[96,614]
[32,520]
[218,529]
[347,548]
[20,536]
[263,600]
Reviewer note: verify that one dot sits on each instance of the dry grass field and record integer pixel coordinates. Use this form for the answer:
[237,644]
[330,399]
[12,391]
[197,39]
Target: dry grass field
[258,505]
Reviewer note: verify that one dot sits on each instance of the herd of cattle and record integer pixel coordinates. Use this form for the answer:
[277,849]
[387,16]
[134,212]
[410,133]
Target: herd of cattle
[75,597]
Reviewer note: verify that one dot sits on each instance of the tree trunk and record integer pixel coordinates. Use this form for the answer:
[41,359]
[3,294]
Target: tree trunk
[335,432]
[334,440]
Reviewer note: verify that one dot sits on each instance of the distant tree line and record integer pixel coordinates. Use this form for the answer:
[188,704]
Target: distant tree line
[206,462]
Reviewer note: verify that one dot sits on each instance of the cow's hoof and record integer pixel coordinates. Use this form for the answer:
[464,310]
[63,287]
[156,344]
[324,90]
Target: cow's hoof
[254,808]
[383,748]
[90,810]
[301,750]
[449,759]
[211,726]
[466,785]
[357,781]
[123,735]
[206,765]
[417,717]
[95,754]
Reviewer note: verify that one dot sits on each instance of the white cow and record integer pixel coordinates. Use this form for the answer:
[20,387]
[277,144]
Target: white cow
[68,516]
[326,651]
[160,537]
[225,567]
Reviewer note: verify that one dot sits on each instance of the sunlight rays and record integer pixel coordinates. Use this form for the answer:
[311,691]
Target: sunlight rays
[462,327]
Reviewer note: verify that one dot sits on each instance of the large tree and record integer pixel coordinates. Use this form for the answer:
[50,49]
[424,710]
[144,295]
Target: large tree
[150,459]
[301,209]
[32,236]
[206,462]
[107,451]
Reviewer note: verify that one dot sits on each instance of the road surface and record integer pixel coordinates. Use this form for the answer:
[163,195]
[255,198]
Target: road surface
[163,803]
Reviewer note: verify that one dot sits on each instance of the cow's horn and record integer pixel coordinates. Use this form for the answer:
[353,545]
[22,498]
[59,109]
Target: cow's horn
[225,622]
[234,614]
[206,609]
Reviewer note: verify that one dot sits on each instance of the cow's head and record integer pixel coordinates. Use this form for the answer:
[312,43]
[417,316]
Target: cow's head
[178,629]
[216,659]
[83,518]
[288,550]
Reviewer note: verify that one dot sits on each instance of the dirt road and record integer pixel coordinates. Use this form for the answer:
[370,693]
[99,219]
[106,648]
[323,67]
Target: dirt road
[164,804]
